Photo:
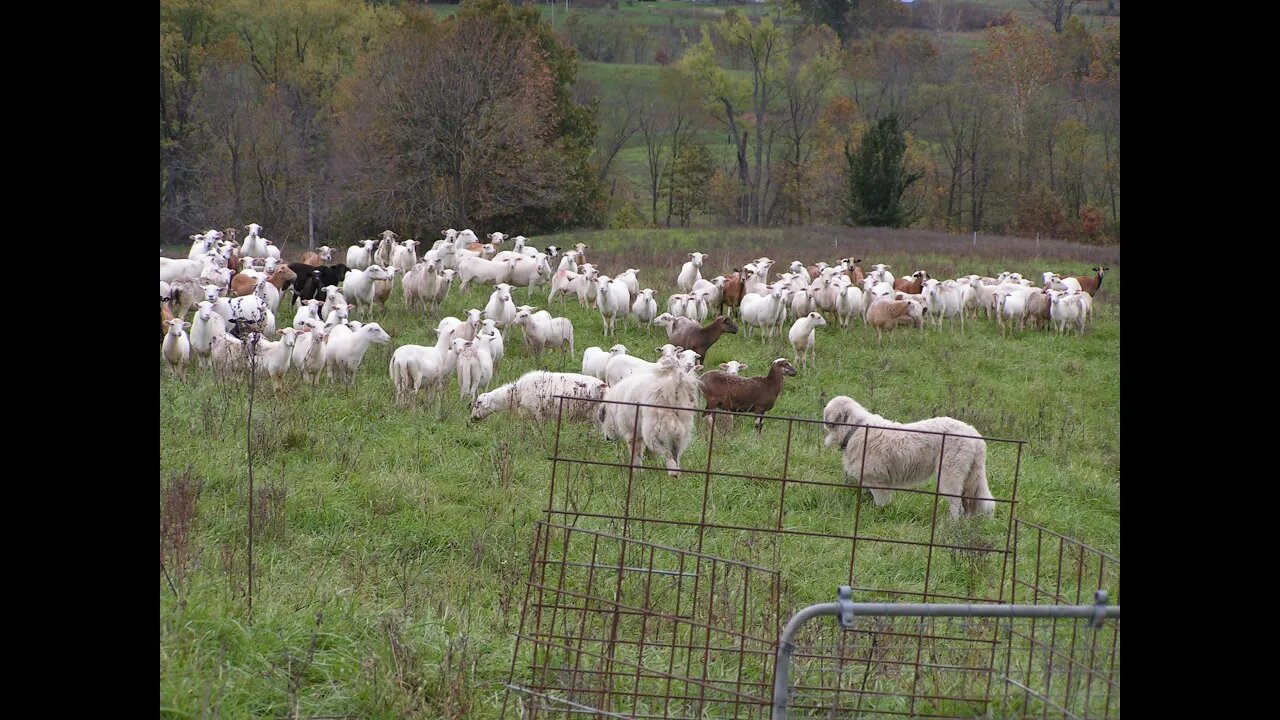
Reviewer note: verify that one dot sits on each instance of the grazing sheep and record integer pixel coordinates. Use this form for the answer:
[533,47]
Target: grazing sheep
[536,395]
[757,395]
[663,431]
[883,454]
[889,314]
[176,347]
[802,334]
[689,273]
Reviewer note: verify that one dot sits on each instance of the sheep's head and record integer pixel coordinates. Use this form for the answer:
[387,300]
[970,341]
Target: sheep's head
[817,318]
[647,293]
[697,258]
[553,251]
[176,326]
[482,407]
[727,324]
[210,293]
[253,228]
[785,366]
[618,349]
[665,318]
[733,367]
[204,310]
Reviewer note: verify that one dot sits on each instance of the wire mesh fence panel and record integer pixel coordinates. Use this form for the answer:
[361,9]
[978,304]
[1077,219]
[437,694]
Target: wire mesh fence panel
[1059,668]
[637,629]
[651,595]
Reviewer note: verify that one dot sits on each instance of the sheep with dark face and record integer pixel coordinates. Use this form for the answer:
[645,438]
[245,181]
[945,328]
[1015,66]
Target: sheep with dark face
[883,455]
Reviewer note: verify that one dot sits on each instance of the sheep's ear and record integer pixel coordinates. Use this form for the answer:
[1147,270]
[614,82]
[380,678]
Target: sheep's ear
[724,366]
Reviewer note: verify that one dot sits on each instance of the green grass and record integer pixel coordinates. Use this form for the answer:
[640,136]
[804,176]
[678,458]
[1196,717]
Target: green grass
[407,530]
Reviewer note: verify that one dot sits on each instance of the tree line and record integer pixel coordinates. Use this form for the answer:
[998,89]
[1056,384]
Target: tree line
[333,119]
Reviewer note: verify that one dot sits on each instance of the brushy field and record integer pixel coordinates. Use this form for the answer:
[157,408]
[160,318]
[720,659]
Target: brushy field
[391,543]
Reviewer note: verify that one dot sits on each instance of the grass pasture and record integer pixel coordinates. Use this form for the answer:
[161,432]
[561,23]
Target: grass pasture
[391,542]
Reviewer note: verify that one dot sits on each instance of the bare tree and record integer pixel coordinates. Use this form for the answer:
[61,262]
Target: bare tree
[1055,12]
[619,121]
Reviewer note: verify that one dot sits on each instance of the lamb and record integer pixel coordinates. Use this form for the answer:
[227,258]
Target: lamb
[697,306]
[419,282]
[489,335]
[229,355]
[888,314]
[208,325]
[1065,309]
[176,348]
[689,273]
[745,394]
[308,352]
[542,333]
[1038,305]
[500,308]
[202,244]
[405,255]
[358,284]
[848,304]
[612,300]
[677,304]
[346,348]
[536,395]
[663,431]
[441,288]
[733,367]
[475,367]
[645,308]
[563,282]
[587,287]
[1011,305]
[690,336]
[274,356]
[882,454]
[595,360]
[801,336]
[881,274]
[360,257]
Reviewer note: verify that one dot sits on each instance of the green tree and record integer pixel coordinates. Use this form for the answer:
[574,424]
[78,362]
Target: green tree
[878,178]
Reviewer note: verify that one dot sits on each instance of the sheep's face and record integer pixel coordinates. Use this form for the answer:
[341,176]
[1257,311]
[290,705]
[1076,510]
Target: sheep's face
[817,319]
[733,367]
[697,258]
[176,326]
[482,407]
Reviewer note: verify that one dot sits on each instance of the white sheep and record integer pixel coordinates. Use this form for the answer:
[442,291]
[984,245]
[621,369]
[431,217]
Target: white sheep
[487,271]
[945,302]
[489,335]
[441,289]
[690,273]
[358,285]
[714,288]
[664,431]
[274,356]
[595,359]
[308,352]
[536,395]
[530,272]
[883,455]
[762,311]
[849,303]
[629,278]
[542,333]
[678,304]
[1065,309]
[360,256]
[802,334]
[733,367]
[346,348]
[612,300]
[645,308]
[207,325]
[475,367]
[176,347]
[500,308]
[414,367]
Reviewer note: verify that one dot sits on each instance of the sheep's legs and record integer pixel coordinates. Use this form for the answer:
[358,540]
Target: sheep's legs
[673,467]
[881,497]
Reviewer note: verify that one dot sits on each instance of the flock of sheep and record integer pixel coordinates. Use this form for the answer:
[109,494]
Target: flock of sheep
[648,405]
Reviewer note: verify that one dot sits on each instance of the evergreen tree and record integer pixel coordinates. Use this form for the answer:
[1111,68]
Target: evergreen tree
[877,178]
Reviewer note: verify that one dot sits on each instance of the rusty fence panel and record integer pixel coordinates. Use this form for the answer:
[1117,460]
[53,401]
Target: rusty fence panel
[652,596]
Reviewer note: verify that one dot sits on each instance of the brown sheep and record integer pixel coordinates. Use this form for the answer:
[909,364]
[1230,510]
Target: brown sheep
[724,391]
[889,314]
[700,339]
[734,287]
[165,316]
[1091,285]
[244,284]
[912,284]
